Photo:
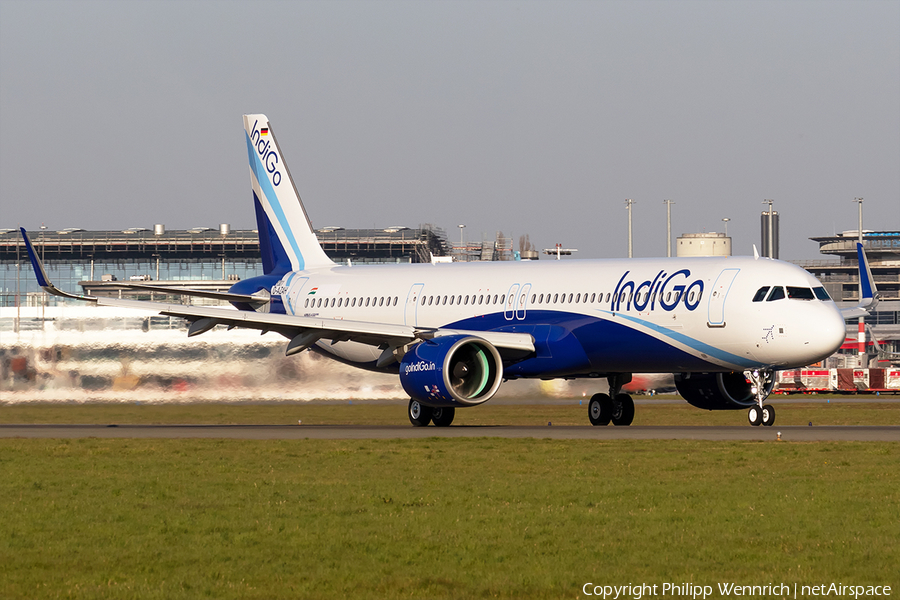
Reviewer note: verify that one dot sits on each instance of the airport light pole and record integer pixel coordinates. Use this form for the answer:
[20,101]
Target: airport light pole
[461,246]
[668,204]
[628,203]
[725,220]
[861,324]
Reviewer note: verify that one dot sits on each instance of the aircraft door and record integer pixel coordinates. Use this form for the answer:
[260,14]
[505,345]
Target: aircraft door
[293,299]
[509,311]
[522,302]
[716,307]
[410,310]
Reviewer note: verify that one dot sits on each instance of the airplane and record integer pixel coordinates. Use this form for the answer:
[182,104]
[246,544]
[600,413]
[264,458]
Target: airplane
[454,332]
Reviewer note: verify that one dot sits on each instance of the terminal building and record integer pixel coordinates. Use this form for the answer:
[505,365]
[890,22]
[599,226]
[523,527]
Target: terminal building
[840,276]
[203,257]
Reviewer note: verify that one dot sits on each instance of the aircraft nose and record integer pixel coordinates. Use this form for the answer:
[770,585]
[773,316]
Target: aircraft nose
[830,332]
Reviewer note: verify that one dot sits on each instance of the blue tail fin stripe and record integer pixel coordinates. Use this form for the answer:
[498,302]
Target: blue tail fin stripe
[274,257]
[266,186]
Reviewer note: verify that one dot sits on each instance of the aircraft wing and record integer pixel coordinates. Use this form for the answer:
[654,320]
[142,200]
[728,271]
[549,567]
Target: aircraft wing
[302,331]
[868,298]
[226,296]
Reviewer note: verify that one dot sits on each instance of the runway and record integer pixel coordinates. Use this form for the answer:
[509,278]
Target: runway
[359,432]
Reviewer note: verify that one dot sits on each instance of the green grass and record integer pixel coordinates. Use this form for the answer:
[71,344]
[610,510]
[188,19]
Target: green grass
[394,413]
[438,518]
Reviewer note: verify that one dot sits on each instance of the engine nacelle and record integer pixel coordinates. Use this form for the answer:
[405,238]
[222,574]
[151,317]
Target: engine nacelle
[716,391]
[453,370]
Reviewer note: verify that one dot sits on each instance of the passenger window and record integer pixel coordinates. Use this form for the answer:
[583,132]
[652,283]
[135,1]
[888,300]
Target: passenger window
[502,298]
[593,296]
[451,300]
[761,294]
[533,298]
[424,300]
[381,301]
[466,300]
[495,298]
[306,303]
[541,299]
[577,298]
[800,293]
[570,297]
[555,298]
[821,294]
[777,293]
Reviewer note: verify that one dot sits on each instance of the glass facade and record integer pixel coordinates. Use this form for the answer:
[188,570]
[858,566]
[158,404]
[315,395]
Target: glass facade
[17,279]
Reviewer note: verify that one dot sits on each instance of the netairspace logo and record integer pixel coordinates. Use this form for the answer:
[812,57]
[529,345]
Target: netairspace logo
[695,592]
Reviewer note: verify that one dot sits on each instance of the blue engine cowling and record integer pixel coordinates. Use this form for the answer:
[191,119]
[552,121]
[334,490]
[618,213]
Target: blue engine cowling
[716,391]
[453,370]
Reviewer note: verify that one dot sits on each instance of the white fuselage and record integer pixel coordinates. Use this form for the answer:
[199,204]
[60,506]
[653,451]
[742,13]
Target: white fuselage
[588,317]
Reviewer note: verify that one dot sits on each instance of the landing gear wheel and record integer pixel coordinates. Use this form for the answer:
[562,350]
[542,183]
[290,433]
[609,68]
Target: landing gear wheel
[600,409]
[622,410]
[768,415]
[442,417]
[755,415]
[419,414]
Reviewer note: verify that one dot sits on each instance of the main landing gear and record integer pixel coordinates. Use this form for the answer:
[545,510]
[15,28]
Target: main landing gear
[760,413]
[615,407]
[420,415]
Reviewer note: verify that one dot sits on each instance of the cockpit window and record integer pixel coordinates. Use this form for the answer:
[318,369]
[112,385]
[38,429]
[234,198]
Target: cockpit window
[777,293]
[800,293]
[761,294]
[821,294]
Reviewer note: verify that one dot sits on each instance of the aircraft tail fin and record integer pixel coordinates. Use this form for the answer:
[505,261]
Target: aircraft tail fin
[287,241]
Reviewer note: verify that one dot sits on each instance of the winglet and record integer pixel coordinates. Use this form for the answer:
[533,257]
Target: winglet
[866,281]
[41,274]
[868,291]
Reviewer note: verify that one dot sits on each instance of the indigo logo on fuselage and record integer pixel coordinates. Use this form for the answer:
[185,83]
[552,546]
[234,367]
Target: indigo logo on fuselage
[664,290]
[268,156]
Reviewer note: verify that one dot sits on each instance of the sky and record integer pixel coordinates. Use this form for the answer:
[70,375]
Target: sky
[535,118]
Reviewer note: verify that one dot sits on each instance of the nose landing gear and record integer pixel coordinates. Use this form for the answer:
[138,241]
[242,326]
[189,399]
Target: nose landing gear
[763,382]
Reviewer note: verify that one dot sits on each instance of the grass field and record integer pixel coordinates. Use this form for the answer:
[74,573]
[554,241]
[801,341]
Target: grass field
[435,518]
[837,412]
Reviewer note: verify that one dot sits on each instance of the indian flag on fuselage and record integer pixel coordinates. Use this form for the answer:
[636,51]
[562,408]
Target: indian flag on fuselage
[286,238]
